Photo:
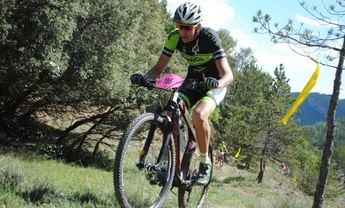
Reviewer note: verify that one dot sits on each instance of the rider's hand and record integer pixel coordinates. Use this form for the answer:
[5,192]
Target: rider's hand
[137,78]
[146,83]
[211,83]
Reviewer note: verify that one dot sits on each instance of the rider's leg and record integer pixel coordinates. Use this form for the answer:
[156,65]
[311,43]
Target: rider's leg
[205,105]
[202,127]
[200,118]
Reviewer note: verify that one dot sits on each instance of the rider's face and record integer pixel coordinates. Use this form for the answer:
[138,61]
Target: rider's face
[187,33]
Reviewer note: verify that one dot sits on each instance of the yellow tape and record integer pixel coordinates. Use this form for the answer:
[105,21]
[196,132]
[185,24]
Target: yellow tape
[238,153]
[303,95]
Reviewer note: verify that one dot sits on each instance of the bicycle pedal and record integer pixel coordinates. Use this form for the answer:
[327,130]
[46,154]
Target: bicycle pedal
[187,183]
[140,165]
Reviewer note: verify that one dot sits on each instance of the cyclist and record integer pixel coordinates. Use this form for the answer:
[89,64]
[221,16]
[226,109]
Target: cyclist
[223,150]
[284,169]
[201,47]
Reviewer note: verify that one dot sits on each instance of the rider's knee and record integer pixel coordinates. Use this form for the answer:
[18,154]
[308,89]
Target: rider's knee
[199,116]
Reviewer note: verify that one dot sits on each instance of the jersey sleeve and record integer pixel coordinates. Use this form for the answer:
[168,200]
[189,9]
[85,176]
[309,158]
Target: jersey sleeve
[171,43]
[216,47]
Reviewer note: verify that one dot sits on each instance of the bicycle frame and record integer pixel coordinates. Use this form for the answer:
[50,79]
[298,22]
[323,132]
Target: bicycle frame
[174,110]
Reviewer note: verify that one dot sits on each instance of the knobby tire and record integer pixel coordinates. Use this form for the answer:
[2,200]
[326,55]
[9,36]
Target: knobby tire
[141,186]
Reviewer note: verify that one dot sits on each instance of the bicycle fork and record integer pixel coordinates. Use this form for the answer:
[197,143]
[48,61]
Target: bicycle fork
[154,170]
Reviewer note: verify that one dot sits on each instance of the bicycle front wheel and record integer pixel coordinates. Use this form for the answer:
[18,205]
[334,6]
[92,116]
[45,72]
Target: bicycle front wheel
[139,184]
[192,195]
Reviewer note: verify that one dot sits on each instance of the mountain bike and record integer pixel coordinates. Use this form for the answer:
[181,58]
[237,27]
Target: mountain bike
[158,152]
[219,158]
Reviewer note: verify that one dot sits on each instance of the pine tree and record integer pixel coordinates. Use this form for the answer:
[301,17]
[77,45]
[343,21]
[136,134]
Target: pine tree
[331,17]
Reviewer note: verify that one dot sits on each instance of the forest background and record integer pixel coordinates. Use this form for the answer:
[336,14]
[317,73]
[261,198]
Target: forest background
[65,90]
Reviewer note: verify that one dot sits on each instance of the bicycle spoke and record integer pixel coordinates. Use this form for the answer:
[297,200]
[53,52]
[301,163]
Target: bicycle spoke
[141,187]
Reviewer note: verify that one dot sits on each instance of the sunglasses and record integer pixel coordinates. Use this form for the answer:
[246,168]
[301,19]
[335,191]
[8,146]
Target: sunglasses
[185,27]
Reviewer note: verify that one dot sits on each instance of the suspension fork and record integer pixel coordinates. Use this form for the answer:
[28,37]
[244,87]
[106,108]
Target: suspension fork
[167,139]
[149,138]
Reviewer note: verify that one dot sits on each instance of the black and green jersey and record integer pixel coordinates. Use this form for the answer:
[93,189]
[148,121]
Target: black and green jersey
[200,53]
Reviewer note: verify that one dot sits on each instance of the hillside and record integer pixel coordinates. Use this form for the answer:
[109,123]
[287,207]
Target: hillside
[315,108]
[39,182]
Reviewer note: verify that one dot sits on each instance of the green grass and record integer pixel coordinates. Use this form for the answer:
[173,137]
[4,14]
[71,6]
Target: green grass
[240,189]
[39,182]
[48,183]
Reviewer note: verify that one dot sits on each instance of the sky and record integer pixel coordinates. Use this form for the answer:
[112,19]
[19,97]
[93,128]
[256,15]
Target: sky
[236,16]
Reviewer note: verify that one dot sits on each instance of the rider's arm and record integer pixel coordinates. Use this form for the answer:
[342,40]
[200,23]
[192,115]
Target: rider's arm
[157,69]
[219,55]
[169,47]
[225,72]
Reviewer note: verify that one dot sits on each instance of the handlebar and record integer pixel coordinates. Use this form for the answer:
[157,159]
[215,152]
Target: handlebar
[195,84]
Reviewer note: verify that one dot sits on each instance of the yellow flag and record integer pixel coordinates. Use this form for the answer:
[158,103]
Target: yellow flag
[303,95]
[238,153]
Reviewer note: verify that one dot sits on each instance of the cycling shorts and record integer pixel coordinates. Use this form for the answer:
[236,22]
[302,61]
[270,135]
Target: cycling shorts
[191,97]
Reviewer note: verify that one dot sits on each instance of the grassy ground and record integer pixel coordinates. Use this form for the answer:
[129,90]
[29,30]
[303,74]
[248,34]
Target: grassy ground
[38,182]
[47,183]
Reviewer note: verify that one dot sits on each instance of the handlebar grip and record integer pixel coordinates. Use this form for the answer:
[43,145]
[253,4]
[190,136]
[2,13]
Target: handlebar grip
[149,84]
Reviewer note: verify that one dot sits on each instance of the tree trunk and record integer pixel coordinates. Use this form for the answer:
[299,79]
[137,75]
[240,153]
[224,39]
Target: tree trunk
[83,138]
[99,142]
[327,151]
[262,169]
[61,139]
[260,176]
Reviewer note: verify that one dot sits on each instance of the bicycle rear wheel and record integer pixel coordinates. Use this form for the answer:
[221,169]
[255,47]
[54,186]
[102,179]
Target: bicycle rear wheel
[142,185]
[191,195]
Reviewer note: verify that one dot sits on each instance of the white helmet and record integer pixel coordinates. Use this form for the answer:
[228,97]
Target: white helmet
[188,13]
